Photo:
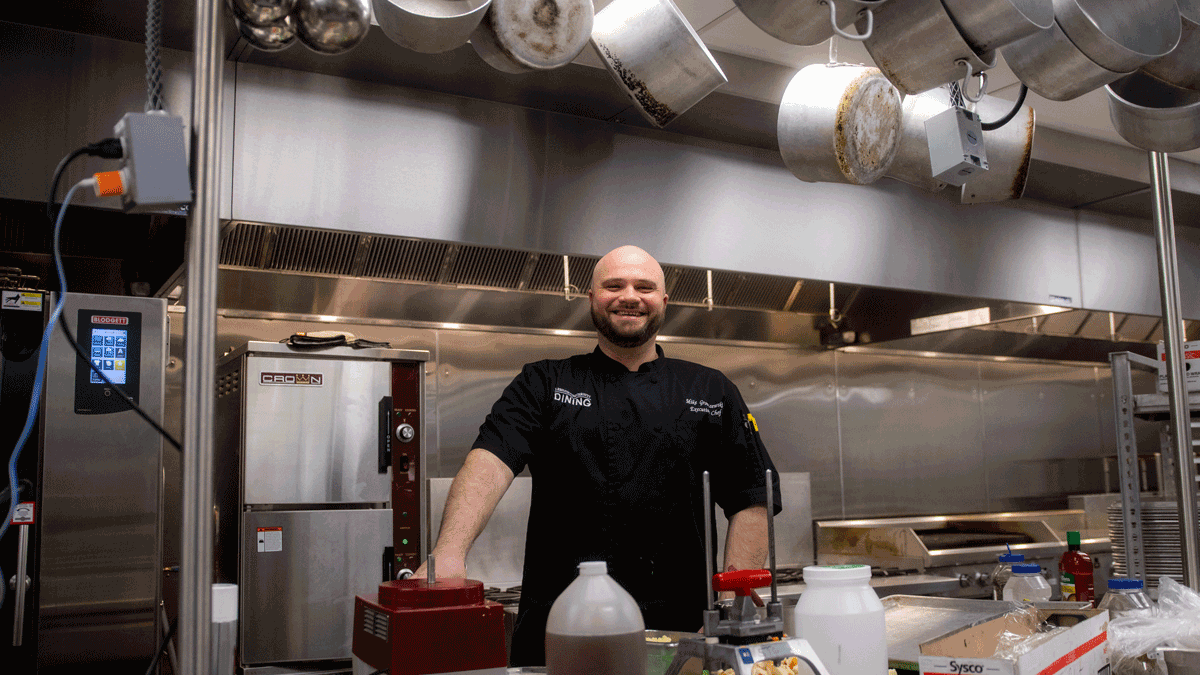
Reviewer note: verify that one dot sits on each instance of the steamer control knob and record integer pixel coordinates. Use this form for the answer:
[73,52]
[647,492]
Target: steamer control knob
[405,433]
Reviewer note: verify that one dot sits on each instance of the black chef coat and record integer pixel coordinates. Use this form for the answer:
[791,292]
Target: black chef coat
[617,459]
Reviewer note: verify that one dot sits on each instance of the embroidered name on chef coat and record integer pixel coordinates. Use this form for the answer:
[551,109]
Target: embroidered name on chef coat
[581,399]
[702,406]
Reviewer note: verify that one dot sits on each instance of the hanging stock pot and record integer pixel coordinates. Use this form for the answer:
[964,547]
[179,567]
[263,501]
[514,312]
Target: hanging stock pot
[917,46]
[656,56]
[520,36]
[809,22]
[991,24]
[1154,115]
[429,26]
[839,124]
[1182,66]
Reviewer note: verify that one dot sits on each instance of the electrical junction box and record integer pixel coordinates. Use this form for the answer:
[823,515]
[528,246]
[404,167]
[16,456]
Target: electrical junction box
[154,167]
[956,151]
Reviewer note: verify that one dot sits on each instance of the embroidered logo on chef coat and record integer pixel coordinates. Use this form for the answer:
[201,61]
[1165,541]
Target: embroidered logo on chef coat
[702,406]
[564,396]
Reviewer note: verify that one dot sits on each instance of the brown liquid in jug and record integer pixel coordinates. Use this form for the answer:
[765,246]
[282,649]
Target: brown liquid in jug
[622,654]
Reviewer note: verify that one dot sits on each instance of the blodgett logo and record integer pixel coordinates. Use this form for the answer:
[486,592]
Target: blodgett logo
[301,379]
[111,320]
[564,396]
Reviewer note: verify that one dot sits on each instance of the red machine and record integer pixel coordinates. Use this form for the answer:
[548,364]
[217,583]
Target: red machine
[414,627]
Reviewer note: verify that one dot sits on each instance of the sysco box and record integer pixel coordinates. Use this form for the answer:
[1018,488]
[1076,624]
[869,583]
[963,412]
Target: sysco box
[1078,646]
[1191,366]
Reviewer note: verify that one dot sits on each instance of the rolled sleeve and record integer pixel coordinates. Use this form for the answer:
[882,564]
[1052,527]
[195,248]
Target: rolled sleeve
[510,429]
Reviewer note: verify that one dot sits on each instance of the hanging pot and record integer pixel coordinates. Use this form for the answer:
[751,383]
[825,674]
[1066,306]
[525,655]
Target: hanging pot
[275,37]
[1120,35]
[1009,151]
[1153,115]
[656,56]
[1182,66]
[991,24]
[260,13]
[429,26]
[332,26]
[918,47]
[807,22]
[1052,66]
[839,124]
[520,36]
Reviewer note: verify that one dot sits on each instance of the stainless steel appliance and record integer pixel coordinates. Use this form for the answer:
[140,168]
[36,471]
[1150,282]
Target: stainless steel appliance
[91,556]
[318,490]
[961,546]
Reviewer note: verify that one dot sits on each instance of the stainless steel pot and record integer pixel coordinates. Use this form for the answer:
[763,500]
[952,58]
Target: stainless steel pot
[917,46]
[805,22]
[332,26]
[991,24]
[839,124]
[261,13]
[1153,115]
[1053,67]
[911,164]
[1120,35]
[429,26]
[656,56]
[274,37]
[1182,66]
[520,36]
[1009,151]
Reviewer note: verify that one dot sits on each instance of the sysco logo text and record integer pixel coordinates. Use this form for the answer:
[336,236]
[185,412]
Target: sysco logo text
[956,667]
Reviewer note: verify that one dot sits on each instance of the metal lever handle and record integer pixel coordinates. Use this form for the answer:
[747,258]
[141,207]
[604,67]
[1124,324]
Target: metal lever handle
[850,36]
[385,433]
[19,613]
[770,476]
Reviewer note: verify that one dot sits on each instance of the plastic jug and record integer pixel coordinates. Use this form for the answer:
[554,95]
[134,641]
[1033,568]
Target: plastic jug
[842,618]
[1002,572]
[1027,585]
[1125,595]
[595,626]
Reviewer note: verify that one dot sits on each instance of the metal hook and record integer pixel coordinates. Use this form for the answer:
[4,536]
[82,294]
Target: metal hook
[850,36]
[835,317]
[982,82]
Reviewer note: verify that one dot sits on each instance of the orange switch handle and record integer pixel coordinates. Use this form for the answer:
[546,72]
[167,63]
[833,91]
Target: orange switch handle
[109,184]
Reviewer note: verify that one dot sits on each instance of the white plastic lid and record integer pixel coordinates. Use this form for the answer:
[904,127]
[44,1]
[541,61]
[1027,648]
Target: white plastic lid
[224,603]
[595,567]
[819,573]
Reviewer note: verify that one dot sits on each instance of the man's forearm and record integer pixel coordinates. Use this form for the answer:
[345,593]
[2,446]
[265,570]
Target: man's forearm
[746,540]
[477,488]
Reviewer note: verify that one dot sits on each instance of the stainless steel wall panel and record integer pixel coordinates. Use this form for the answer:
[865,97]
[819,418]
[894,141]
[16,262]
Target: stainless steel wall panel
[911,435]
[329,152]
[65,90]
[1041,434]
[473,370]
[298,601]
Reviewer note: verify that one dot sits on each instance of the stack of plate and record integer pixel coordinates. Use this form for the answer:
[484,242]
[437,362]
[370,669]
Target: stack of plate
[1160,536]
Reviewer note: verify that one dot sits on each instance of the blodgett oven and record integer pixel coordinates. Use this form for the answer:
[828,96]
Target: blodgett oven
[318,490]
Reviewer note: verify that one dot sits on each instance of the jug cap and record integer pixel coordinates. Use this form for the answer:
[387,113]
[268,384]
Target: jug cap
[593,567]
[820,573]
[1125,584]
[1027,569]
[1012,558]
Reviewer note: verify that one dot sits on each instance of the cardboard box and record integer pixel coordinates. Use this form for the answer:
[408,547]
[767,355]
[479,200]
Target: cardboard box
[1191,366]
[1080,650]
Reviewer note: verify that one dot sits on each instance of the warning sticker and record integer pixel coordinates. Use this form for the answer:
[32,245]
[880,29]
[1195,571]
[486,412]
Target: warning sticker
[270,539]
[30,302]
[23,514]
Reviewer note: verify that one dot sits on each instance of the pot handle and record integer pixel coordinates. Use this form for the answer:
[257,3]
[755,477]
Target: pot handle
[982,82]
[849,36]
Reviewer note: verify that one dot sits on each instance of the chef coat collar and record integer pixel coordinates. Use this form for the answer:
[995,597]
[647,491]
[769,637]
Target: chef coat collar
[606,362]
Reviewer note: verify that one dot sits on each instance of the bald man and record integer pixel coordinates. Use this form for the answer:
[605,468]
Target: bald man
[616,442]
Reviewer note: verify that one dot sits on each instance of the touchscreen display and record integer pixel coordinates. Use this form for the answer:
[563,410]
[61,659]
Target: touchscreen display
[109,347]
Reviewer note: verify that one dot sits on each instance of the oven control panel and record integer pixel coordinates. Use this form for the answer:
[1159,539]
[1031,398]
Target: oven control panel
[113,342]
[403,431]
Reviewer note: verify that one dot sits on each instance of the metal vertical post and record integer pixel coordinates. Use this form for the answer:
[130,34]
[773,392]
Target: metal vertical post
[1131,498]
[1168,278]
[195,592]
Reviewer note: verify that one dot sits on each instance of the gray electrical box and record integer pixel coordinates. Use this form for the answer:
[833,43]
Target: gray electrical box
[956,149]
[155,164]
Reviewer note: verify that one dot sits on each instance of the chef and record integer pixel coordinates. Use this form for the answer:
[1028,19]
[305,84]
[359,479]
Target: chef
[616,442]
